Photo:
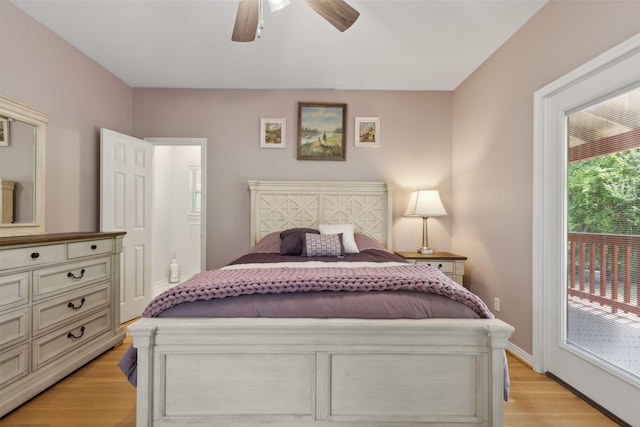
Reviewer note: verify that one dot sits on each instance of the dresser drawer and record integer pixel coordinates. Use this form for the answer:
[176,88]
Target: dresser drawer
[32,256]
[14,326]
[90,247]
[14,290]
[72,305]
[14,364]
[50,346]
[444,266]
[58,308]
[70,276]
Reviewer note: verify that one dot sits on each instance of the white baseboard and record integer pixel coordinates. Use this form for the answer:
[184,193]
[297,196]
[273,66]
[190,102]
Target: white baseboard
[520,353]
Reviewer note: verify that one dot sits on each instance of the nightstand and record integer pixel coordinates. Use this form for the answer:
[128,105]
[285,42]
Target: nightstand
[451,265]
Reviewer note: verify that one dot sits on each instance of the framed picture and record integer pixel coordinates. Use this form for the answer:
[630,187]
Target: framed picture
[321,131]
[273,133]
[367,132]
[4,132]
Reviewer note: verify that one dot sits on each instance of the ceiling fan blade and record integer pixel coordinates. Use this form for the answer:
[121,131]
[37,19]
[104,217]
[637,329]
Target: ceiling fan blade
[246,24]
[337,12]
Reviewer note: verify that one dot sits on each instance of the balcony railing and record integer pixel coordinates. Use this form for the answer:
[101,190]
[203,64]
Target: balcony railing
[603,268]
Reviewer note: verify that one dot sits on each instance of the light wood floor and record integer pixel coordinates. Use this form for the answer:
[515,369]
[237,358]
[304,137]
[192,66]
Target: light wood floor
[99,395]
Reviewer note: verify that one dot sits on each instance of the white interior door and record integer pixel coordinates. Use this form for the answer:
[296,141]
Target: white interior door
[613,388]
[126,205]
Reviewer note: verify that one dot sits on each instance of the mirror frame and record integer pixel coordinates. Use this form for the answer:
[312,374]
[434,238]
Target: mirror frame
[39,119]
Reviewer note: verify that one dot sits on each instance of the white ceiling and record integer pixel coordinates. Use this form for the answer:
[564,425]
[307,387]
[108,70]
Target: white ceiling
[394,44]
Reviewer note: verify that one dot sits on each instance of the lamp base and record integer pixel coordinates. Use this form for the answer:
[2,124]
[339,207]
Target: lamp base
[425,251]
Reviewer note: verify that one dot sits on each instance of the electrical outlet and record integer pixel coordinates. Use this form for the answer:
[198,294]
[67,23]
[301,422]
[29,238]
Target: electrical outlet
[496,304]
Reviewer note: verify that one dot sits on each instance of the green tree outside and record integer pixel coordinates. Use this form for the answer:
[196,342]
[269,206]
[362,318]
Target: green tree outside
[604,198]
[604,194]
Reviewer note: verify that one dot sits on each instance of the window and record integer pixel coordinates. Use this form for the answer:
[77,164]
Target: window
[604,167]
[603,224]
[195,190]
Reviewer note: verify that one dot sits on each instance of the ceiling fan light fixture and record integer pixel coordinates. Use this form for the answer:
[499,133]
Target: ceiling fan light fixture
[249,20]
[278,4]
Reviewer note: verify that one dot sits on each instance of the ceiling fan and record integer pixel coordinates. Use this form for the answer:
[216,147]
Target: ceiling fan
[248,19]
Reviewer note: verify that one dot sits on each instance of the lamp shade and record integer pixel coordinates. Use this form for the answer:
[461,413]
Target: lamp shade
[425,203]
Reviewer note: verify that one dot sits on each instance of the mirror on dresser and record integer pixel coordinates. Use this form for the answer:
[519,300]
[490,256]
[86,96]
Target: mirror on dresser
[22,168]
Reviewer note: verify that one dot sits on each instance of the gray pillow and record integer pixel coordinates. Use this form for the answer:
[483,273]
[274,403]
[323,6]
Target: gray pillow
[323,245]
[292,240]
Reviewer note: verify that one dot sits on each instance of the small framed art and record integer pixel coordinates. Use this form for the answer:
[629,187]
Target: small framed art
[4,132]
[321,131]
[273,133]
[367,132]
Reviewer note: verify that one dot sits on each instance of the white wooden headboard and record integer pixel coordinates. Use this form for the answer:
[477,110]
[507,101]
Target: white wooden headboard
[279,205]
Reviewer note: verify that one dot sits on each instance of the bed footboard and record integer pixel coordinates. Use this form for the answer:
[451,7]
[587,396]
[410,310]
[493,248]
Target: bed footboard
[333,372]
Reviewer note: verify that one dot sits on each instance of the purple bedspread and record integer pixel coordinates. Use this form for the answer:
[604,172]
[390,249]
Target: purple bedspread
[218,284]
[385,291]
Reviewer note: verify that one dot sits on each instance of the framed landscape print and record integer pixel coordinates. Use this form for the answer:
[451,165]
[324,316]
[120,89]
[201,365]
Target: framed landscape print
[321,131]
[367,132]
[273,133]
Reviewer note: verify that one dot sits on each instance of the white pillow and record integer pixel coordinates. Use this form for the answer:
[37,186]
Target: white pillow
[348,240]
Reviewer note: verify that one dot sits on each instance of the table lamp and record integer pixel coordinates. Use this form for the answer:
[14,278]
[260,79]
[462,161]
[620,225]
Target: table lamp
[425,204]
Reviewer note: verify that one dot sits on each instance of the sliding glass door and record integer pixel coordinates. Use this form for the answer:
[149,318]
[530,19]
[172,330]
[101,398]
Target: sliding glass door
[603,238]
[586,233]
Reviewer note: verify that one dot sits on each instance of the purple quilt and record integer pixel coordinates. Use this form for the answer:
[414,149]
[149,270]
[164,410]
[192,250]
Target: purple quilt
[380,288]
[218,284]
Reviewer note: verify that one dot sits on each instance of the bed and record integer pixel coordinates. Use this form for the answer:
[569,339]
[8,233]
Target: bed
[269,367]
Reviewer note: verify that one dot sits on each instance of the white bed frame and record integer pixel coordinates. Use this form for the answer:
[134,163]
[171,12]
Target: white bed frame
[322,372]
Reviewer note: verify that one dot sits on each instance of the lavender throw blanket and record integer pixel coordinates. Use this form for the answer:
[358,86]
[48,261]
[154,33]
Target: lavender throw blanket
[235,282]
[258,280]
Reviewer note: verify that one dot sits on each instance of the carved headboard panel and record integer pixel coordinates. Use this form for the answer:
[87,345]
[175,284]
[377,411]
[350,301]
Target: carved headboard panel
[278,205]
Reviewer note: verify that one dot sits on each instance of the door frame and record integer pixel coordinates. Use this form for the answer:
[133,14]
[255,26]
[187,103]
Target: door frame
[202,142]
[603,76]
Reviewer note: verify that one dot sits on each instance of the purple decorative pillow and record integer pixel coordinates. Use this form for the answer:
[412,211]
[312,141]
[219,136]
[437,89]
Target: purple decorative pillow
[268,244]
[292,240]
[367,242]
[323,245]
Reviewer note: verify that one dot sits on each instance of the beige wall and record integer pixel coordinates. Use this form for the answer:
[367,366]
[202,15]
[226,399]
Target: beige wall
[42,70]
[493,145]
[485,175]
[415,151]
[45,72]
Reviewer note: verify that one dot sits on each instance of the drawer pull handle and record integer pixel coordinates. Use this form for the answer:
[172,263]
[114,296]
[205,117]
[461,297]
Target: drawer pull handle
[94,247]
[439,265]
[73,276]
[35,255]
[71,305]
[70,334]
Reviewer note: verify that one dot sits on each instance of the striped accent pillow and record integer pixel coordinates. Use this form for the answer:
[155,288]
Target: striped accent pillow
[323,245]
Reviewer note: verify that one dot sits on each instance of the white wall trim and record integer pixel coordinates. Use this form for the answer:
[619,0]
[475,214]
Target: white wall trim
[520,353]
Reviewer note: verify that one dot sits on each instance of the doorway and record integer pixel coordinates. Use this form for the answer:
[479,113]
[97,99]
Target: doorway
[557,348]
[127,204]
[179,204]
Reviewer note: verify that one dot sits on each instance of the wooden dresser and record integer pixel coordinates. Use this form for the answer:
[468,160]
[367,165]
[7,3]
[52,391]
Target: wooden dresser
[59,308]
